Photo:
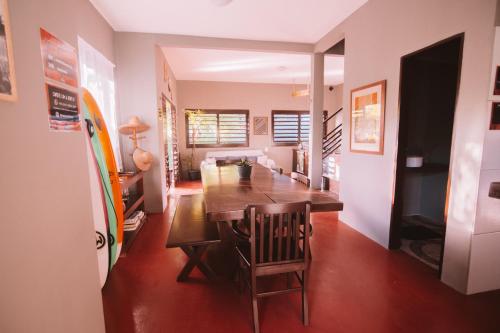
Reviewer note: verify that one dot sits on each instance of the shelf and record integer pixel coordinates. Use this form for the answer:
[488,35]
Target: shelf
[129,237]
[429,168]
[127,181]
[136,200]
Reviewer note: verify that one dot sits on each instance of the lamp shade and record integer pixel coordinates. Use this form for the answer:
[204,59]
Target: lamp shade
[134,124]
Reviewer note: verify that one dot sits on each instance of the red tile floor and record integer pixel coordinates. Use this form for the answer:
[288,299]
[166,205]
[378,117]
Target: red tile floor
[355,286]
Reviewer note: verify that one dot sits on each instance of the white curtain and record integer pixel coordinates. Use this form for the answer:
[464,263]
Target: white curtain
[97,75]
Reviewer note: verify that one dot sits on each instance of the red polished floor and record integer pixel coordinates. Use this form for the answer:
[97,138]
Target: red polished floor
[355,286]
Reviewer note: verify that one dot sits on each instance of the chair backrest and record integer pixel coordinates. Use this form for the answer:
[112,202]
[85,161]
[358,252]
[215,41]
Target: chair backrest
[276,236]
[303,179]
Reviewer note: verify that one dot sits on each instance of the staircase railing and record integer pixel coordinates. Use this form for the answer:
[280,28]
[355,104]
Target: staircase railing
[332,140]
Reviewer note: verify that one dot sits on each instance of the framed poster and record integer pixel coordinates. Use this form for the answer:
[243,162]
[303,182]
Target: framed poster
[260,125]
[7,75]
[367,119]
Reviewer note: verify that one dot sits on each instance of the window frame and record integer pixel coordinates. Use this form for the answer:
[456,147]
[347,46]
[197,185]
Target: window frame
[98,75]
[294,112]
[218,144]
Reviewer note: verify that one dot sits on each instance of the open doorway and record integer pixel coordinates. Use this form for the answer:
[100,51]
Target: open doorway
[332,122]
[428,91]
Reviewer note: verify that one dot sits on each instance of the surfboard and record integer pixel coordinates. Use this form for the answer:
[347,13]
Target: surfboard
[98,213]
[104,177]
[109,156]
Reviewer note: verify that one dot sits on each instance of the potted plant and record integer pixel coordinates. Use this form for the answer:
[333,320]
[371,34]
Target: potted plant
[244,168]
[192,172]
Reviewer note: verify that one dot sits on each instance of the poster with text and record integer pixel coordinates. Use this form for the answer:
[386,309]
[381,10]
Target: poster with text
[60,65]
[60,61]
[64,112]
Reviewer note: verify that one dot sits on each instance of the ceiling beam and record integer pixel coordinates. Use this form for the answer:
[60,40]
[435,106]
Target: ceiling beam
[168,40]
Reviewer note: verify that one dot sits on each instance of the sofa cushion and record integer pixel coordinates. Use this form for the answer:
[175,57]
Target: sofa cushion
[262,160]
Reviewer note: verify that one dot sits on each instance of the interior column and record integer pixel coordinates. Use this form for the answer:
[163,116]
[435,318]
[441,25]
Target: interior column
[316,110]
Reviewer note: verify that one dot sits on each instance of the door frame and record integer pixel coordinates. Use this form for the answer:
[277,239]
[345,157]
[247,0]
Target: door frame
[169,176]
[400,160]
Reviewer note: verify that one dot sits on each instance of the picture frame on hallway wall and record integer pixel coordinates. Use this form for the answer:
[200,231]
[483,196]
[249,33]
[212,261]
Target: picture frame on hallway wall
[260,125]
[496,88]
[495,116]
[8,90]
[367,118]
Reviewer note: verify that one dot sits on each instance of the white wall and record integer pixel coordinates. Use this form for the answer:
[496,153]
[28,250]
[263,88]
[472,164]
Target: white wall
[484,271]
[136,62]
[259,99]
[49,277]
[376,37]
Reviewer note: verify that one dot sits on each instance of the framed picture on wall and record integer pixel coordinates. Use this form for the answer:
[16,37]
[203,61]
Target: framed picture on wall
[496,88]
[495,116]
[7,76]
[367,119]
[260,125]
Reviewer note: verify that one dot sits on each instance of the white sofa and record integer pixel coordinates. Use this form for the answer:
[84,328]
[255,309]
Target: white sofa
[254,155]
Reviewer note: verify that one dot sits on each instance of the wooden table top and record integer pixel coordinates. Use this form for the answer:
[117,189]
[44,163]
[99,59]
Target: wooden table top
[227,196]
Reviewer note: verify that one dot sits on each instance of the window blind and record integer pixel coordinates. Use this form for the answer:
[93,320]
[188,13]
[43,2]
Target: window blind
[217,128]
[290,127]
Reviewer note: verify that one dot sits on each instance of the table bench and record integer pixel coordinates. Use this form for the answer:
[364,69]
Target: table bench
[191,232]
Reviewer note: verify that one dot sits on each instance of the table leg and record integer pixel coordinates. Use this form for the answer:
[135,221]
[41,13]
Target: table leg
[194,254]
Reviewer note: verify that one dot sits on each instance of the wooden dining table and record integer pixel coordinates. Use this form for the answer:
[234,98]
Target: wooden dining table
[227,196]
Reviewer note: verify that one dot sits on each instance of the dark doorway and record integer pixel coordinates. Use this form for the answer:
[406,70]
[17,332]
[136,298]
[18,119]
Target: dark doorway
[428,92]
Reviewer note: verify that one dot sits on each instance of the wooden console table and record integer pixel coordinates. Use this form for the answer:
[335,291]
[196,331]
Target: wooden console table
[135,202]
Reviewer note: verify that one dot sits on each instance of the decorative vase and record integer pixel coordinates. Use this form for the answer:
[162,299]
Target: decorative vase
[245,171]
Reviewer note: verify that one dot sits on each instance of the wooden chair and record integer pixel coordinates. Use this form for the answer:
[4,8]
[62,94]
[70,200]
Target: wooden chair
[275,246]
[278,170]
[307,182]
[303,179]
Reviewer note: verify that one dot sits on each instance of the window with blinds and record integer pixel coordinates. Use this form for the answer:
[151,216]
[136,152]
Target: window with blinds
[217,128]
[290,127]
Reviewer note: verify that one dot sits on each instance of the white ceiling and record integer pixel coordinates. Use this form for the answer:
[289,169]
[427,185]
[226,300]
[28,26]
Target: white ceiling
[272,20]
[243,66]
